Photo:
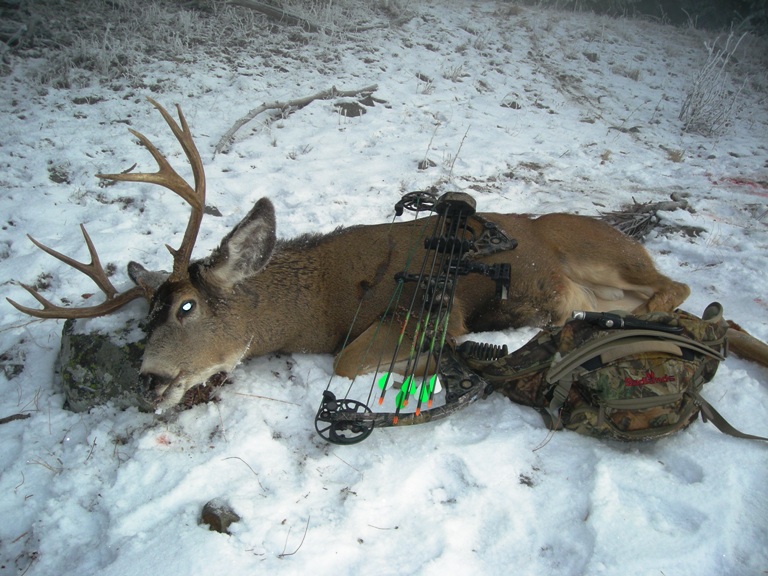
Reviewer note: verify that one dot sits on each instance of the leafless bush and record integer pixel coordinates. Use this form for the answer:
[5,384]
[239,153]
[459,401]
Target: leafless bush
[74,44]
[710,101]
[597,6]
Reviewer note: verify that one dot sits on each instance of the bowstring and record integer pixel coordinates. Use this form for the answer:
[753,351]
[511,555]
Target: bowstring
[459,225]
[422,324]
[448,303]
[439,224]
[395,299]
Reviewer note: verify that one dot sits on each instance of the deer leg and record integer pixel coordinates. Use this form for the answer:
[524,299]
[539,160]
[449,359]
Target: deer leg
[372,350]
[633,284]
[388,346]
[667,296]
[746,346]
[663,294]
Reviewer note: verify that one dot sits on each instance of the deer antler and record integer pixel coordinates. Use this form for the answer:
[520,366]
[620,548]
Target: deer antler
[95,271]
[167,177]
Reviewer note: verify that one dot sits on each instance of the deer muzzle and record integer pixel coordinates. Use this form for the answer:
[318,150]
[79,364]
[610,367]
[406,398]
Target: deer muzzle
[153,387]
[163,392]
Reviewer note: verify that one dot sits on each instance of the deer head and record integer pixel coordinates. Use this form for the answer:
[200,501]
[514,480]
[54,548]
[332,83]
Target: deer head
[186,305]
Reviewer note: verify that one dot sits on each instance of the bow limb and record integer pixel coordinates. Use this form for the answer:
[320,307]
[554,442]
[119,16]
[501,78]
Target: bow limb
[344,421]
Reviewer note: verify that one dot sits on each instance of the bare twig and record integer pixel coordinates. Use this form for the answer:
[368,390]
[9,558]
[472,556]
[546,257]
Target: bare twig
[450,172]
[243,461]
[347,463]
[425,161]
[287,108]
[249,468]
[637,219]
[382,528]
[90,453]
[46,465]
[283,554]
[266,398]
[13,417]
[24,325]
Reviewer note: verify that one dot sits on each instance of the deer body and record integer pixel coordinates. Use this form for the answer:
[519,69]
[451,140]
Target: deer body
[254,295]
[303,295]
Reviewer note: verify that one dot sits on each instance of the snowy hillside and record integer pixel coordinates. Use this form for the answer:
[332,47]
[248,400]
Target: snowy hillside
[530,110]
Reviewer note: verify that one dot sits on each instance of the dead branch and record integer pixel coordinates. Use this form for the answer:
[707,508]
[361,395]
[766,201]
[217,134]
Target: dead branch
[13,417]
[280,15]
[288,107]
[638,219]
[276,13]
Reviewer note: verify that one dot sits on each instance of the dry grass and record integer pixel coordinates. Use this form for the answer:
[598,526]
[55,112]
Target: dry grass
[711,100]
[67,44]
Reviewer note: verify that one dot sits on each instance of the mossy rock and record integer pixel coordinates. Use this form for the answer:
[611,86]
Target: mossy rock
[99,364]
[218,515]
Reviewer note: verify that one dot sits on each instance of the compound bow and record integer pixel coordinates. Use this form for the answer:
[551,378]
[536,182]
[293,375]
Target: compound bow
[458,238]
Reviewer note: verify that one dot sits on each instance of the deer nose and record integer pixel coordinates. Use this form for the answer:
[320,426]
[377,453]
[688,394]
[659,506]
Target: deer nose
[152,386]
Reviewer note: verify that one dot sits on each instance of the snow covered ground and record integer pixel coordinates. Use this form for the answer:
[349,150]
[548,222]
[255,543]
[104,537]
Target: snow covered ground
[530,110]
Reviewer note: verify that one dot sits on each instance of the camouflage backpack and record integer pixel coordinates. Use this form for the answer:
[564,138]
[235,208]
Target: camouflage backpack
[612,375]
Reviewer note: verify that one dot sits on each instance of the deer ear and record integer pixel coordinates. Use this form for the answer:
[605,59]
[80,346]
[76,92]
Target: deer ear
[150,281]
[246,249]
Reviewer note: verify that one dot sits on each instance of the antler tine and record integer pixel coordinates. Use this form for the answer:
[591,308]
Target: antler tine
[51,310]
[95,271]
[167,177]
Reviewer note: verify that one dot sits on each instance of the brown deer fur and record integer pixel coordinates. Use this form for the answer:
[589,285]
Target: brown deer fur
[303,295]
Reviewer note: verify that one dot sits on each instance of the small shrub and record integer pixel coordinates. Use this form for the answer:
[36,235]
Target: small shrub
[710,101]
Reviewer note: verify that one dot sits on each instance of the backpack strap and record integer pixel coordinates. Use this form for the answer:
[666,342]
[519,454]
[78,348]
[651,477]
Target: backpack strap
[709,414]
[563,372]
[587,351]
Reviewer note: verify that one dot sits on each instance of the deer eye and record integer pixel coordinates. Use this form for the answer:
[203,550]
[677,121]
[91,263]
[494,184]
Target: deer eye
[185,309]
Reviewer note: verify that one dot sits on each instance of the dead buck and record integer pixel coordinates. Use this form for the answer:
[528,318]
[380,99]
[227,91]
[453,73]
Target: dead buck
[255,295]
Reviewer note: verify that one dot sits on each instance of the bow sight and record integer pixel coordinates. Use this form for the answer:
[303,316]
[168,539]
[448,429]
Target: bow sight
[459,236]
